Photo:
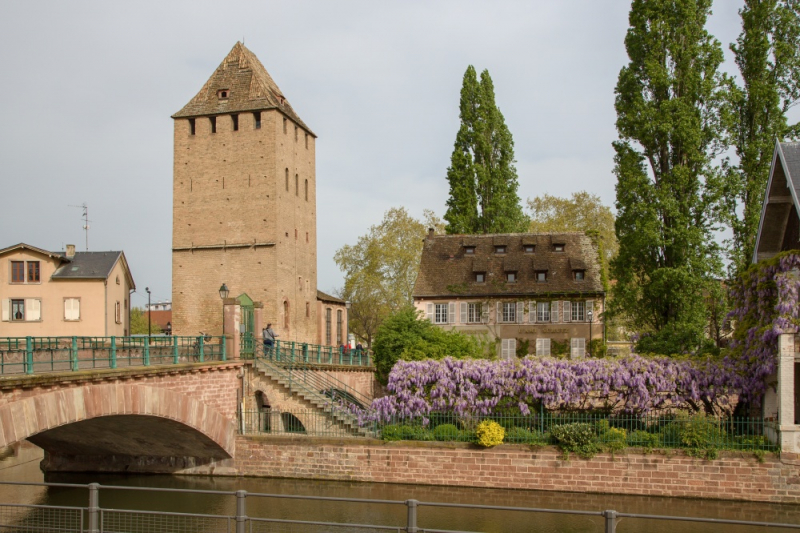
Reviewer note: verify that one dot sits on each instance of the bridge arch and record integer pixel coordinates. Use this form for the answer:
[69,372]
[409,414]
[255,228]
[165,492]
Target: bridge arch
[50,415]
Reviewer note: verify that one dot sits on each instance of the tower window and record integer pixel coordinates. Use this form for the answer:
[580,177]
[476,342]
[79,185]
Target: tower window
[213,121]
[295,133]
[235,119]
[306,141]
[284,124]
[296,185]
[191,126]
[223,94]
[257,119]
[306,190]
[287,180]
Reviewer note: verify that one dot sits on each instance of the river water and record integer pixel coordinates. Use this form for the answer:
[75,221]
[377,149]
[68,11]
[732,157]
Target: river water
[24,467]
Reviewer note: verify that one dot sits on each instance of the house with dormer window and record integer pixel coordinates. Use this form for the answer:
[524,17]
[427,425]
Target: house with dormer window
[531,289]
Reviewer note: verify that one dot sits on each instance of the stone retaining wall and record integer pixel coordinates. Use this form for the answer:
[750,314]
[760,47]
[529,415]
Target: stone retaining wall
[734,476]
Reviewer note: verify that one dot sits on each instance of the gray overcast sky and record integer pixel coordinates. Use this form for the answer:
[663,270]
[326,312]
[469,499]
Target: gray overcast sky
[89,88]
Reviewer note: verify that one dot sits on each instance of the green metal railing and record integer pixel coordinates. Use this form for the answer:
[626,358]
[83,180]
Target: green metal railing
[317,354]
[35,355]
[310,422]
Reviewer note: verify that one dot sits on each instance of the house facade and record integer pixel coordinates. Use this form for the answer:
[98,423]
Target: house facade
[332,330]
[51,294]
[530,293]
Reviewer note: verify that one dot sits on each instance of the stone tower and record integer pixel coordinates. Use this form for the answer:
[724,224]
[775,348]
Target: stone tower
[244,203]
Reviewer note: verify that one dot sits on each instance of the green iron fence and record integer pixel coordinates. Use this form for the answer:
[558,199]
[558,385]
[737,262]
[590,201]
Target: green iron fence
[544,428]
[34,355]
[317,354]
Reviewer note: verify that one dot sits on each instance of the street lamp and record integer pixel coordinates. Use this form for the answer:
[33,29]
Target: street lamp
[169,328]
[590,314]
[223,293]
[147,289]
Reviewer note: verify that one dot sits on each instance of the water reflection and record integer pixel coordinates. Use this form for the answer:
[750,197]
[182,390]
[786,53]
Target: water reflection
[386,514]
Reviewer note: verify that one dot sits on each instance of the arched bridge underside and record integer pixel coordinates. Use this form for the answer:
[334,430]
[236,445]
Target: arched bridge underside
[118,423]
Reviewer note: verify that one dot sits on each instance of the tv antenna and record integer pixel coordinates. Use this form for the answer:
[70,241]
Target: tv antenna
[86,221]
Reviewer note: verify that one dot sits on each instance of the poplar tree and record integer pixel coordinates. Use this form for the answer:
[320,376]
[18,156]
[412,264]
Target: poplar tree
[767,53]
[483,180]
[668,106]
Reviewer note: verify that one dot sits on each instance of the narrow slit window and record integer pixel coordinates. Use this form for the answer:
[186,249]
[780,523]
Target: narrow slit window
[257,119]
[287,180]
[213,121]
[284,124]
[235,119]
[296,185]
[306,141]
[295,133]
[191,126]
[306,190]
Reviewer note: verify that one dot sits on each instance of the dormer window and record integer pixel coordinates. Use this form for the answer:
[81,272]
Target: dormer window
[511,277]
[541,276]
[223,94]
[558,247]
[578,275]
[499,249]
[529,248]
[480,277]
[469,250]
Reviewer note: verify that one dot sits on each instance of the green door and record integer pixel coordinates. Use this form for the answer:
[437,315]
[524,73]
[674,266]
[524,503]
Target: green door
[248,338]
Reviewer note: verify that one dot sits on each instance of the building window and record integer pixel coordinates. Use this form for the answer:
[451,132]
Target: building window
[299,281]
[511,277]
[499,249]
[191,126]
[578,311]
[17,271]
[33,272]
[578,275]
[508,312]
[558,247]
[474,313]
[213,121]
[306,190]
[440,314]
[469,250]
[117,313]
[295,133]
[543,311]
[223,93]
[542,346]
[257,119]
[306,141]
[529,248]
[308,309]
[339,327]
[541,275]
[328,326]
[306,236]
[296,185]
[287,180]
[18,310]
[235,119]
[578,348]
[286,321]
[72,309]
[480,277]
[284,124]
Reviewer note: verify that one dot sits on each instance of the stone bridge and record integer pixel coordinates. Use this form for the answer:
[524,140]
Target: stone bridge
[159,419]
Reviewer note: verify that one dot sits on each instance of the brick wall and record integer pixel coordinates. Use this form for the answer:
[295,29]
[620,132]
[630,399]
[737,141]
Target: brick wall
[733,476]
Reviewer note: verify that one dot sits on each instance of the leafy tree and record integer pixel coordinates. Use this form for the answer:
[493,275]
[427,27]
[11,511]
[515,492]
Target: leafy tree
[483,180]
[406,335]
[582,212]
[668,101]
[139,323]
[381,269]
[768,56]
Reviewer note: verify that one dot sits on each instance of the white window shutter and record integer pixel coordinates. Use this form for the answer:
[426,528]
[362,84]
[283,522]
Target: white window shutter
[573,349]
[554,311]
[520,313]
[503,348]
[589,307]
[546,344]
[567,311]
[6,311]
[429,312]
[76,308]
[499,312]
[512,348]
[451,313]
[67,308]
[464,317]
[33,309]
[532,312]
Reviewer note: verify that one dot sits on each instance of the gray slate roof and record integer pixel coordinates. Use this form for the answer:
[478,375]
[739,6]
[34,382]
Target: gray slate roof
[447,271]
[87,265]
[250,87]
[781,205]
[328,298]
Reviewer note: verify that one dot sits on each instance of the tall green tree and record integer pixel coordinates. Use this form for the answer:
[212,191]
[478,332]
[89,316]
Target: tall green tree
[768,56]
[482,177]
[381,268]
[668,101]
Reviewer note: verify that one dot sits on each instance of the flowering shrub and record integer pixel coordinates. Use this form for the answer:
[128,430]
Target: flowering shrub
[490,433]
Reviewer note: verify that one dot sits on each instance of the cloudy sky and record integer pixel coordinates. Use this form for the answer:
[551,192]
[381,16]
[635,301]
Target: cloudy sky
[90,86]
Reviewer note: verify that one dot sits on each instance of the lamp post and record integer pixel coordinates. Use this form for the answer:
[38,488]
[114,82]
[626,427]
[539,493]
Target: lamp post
[223,293]
[147,289]
[169,328]
[590,314]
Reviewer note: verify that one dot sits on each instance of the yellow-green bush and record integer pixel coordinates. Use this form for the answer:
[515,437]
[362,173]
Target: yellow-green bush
[490,433]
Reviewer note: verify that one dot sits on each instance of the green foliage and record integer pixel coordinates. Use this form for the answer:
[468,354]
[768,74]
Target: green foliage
[767,53]
[490,433]
[520,435]
[643,439]
[483,180]
[406,335]
[523,347]
[613,439]
[559,349]
[668,101]
[139,323]
[381,269]
[597,348]
[578,437]
[446,432]
[700,432]
[392,432]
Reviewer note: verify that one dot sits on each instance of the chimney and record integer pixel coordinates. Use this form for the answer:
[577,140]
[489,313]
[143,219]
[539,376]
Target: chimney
[70,251]
[430,233]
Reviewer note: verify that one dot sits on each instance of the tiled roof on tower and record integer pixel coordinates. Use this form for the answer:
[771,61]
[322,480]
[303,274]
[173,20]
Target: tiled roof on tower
[240,83]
